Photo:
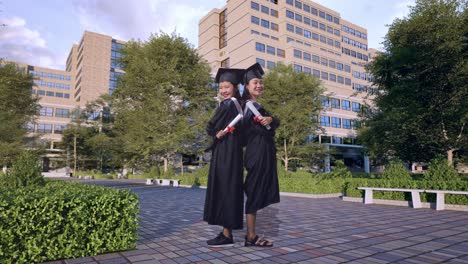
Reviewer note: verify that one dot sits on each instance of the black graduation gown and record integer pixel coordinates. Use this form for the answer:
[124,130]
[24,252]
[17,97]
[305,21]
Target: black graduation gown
[261,184]
[224,195]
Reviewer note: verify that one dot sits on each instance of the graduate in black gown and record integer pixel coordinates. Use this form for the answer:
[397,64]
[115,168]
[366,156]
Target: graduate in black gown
[224,195]
[261,184]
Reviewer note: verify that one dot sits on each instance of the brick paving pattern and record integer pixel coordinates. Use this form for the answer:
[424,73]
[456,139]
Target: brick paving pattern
[304,230]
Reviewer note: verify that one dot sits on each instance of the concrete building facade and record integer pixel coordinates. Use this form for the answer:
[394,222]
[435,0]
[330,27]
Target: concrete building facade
[311,37]
[92,70]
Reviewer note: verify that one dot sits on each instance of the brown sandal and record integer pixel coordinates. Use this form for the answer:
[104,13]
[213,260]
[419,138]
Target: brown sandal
[257,242]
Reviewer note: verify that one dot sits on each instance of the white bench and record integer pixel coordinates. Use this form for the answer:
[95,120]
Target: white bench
[415,198]
[168,182]
[149,181]
[440,202]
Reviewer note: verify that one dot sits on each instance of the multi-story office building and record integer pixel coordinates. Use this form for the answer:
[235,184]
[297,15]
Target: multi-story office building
[312,38]
[92,69]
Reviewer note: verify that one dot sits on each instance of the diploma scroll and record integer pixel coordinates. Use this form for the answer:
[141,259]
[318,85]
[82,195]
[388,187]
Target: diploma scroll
[230,127]
[257,114]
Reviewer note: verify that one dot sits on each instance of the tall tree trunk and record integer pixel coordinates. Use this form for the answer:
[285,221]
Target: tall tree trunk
[181,164]
[74,155]
[286,159]
[165,159]
[450,156]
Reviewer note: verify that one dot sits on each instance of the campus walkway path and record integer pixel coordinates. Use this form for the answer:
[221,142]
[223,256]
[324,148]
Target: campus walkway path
[304,230]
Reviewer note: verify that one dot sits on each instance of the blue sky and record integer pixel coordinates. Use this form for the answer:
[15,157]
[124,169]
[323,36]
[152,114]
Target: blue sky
[42,32]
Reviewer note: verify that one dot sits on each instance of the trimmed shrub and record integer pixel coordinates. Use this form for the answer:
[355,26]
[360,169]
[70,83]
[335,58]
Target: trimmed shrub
[26,170]
[440,171]
[65,220]
[396,170]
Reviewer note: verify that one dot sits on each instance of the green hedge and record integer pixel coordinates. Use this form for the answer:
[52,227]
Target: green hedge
[65,220]
[305,182]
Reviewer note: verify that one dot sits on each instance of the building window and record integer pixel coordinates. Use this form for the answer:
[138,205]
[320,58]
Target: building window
[307,56]
[336,20]
[298,4]
[308,70]
[335,103]
[322,14]
[332,77]
[324,75]
[298,17]
[46,111]
[270,65]
[356,107]
[346,105]
[336,122]
[316,73]
[289,2]
[329,18]
[255,20]
[58,129]
[348,81]
[347,68]
[325,101]
[324,62]
[261,62]
[265,23]
[297,68]
[314,24]
[346,123]
[49,93]
[306,8]
[306,20]
[323,39]
[265,10]
[254,5]
[60,95]
[325,121]
[280,53]
[290,27]
[298,54]
[116,55]
[51,85]
[322,26]
[67,96]
[299,31]
[330,42]
[260,47]
[307,34]
[274,26]
[339,66]
[331,64]
[274,13]
[271,50]
[44,128]
[340,79]
[40,92]
[113,79]
[222,29]
[289,14]
[315,36]
[59,112]
[315,58]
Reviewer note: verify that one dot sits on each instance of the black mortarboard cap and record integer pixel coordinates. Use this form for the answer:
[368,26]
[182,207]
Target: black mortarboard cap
[233,76]
[254,71]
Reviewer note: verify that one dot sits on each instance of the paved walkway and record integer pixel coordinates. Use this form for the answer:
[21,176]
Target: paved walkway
[303,230]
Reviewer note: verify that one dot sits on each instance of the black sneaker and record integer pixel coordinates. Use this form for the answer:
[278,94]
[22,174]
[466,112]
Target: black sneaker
[221,241]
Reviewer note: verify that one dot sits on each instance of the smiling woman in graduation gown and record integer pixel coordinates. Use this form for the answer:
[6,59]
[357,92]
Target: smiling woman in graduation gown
[224,196]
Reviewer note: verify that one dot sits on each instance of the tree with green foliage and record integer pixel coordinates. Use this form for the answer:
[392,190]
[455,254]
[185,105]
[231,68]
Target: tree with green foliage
[421,109]
[162,101]
[439,170]
[26,171]
[294,98]
[17,108]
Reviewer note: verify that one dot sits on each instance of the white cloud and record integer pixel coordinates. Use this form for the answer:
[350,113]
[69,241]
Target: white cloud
[126,20]
[21,44]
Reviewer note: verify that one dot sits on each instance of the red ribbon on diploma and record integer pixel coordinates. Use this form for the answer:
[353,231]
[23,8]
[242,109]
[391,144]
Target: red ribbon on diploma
[230,129]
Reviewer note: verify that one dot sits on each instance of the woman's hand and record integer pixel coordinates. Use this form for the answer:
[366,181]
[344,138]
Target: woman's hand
[220,134]
[266,120]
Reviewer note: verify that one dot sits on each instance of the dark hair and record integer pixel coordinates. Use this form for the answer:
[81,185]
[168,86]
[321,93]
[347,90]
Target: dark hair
[245,94]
